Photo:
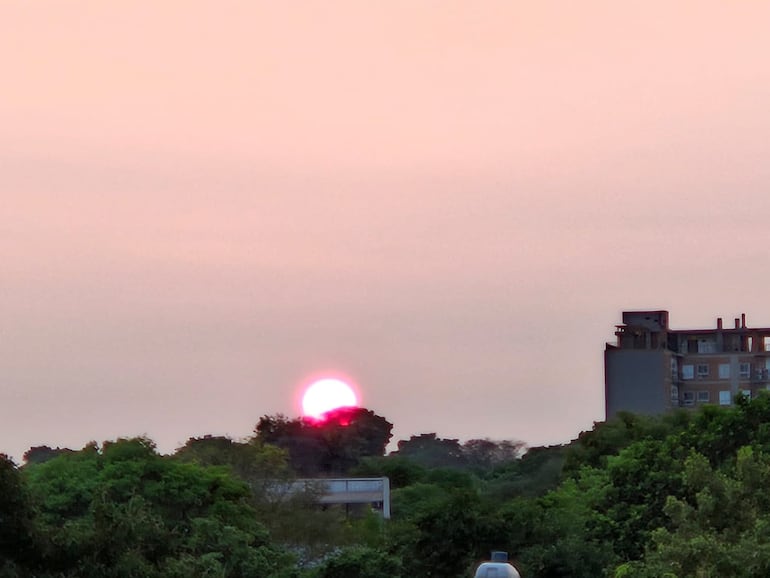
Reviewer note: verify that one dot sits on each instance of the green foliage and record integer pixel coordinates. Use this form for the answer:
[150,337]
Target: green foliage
[400,471]
[360,562]
[718,433]
[638,497]
[441,536]
[441,524]
[299,524]
[127,511]
[721,527]
[708,515]
[292,516]
[556,535]
[535,473]
[260,465]
[592,448]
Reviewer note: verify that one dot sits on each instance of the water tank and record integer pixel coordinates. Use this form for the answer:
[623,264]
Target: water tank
[498,567]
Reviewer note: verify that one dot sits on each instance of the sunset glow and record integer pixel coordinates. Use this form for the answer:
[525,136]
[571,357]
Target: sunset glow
[325,395]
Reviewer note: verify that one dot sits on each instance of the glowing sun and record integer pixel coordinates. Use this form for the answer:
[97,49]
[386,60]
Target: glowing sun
[325,395]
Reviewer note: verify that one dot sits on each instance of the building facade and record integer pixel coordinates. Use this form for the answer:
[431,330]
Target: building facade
[651,368]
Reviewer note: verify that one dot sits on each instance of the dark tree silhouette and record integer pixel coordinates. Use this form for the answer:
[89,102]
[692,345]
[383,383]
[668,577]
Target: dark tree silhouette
[17,543]
[331,445]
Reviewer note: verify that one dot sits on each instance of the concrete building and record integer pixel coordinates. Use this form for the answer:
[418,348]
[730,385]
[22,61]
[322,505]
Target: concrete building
[651,368]
[374,492]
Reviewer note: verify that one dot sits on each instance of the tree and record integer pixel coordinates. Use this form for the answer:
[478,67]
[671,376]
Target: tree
[125,510]
[291,513]
[720,528]
[40,454]
[18,546]
[360,562]
[441,536]
[260,465]
[534,474]
[431,451]
[399,470]
[485,454]
[331,445]
[592,448]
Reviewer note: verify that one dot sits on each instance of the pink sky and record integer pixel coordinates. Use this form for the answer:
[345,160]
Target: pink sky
[204,203]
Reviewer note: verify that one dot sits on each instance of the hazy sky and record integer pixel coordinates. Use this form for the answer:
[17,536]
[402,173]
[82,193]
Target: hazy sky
[203,204]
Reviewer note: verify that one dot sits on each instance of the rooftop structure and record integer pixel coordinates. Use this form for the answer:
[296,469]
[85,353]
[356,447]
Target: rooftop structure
[652,368]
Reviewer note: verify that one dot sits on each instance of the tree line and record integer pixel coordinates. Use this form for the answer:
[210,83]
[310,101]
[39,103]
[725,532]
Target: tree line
[681,495]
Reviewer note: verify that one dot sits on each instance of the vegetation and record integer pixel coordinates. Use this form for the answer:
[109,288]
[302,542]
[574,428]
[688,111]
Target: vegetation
[683,495]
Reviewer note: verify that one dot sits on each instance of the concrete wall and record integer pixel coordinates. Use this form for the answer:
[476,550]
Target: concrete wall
[637,380]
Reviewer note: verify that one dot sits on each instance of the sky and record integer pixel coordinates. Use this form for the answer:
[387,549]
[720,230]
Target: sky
[205,204]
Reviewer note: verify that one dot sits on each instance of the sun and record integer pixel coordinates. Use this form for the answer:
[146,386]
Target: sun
[325,395]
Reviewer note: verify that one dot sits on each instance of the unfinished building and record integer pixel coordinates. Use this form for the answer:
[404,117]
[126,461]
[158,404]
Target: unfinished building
[651,368]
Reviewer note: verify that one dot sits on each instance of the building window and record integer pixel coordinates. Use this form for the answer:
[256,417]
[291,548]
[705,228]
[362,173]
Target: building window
[703,397]
[745,370]
[703,370]
[675,393]
[746,393]
[724,371]
[688,397]
[688,371]
[724,398]
[674,370]
[706,346]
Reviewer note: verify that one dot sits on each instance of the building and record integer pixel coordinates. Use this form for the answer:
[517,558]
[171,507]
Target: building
[652,368]
[373,492]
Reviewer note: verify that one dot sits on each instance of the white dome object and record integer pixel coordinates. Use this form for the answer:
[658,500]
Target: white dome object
[496,570]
